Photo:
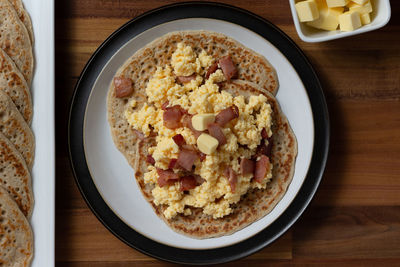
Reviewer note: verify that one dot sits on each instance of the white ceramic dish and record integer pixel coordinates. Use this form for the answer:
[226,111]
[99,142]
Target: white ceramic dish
[379,18]
[113,176]
[43,172]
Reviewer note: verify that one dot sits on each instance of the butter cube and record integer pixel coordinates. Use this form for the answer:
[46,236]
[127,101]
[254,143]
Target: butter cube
[207,144]
[336,3]
[307,10]
[365,19]
[349,21]
[201,121]
[328,19]
[321,4]
[360,2]
[362,9]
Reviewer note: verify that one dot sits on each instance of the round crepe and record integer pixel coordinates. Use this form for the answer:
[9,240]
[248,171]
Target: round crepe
[14,85]
[253,205]
[142,65]
[252,67]
[14,40]
[23,16]
[15,176]
[15,128]
[16,242]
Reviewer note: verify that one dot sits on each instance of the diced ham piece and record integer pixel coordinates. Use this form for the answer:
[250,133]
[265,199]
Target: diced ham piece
[165,105]
[232,178]
[172,117]
[167,174]
[172,163]
[150,160]
[226,115]
[187,158]
[262,167]
[187,122]
[139,134]
[179,140]
[163,182]
[228,68]
[216,131]
[123,86]
[213,68]
[166,177]
[247,166]
[187,183]
[186,79]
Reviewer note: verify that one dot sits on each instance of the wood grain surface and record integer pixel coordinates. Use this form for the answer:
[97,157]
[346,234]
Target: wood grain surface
[354,219]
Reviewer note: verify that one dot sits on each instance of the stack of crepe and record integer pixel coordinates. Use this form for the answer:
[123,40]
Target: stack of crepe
[17,142]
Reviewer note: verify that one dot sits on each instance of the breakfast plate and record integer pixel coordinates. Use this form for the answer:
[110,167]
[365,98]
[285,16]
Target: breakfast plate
[107,181]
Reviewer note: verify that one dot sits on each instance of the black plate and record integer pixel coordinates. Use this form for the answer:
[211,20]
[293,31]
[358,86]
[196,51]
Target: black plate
[198,10]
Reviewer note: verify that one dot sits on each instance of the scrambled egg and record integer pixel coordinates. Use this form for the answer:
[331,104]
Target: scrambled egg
[243,135]
[184,61]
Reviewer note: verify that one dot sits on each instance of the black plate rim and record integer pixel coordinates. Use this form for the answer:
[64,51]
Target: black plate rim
[321,138]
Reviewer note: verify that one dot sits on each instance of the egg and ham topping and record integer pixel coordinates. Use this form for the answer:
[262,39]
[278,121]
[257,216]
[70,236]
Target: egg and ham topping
[211,147]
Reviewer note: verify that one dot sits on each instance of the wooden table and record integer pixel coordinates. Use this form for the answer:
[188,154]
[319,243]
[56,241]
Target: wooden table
[355,217]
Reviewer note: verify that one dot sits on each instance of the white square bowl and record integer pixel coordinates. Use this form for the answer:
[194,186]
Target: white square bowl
[380,16]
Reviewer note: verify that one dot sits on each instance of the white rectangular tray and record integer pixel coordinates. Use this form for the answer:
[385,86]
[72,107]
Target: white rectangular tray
[43,172]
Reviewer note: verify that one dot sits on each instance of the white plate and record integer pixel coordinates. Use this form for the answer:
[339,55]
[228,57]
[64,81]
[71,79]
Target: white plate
[113,176]
[43,172]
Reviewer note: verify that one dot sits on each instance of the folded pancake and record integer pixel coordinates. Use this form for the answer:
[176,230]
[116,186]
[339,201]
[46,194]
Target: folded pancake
[15,176]
[16,243]
[23,16]
[15,128]
[253,205]
[14,39]
[13,83]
